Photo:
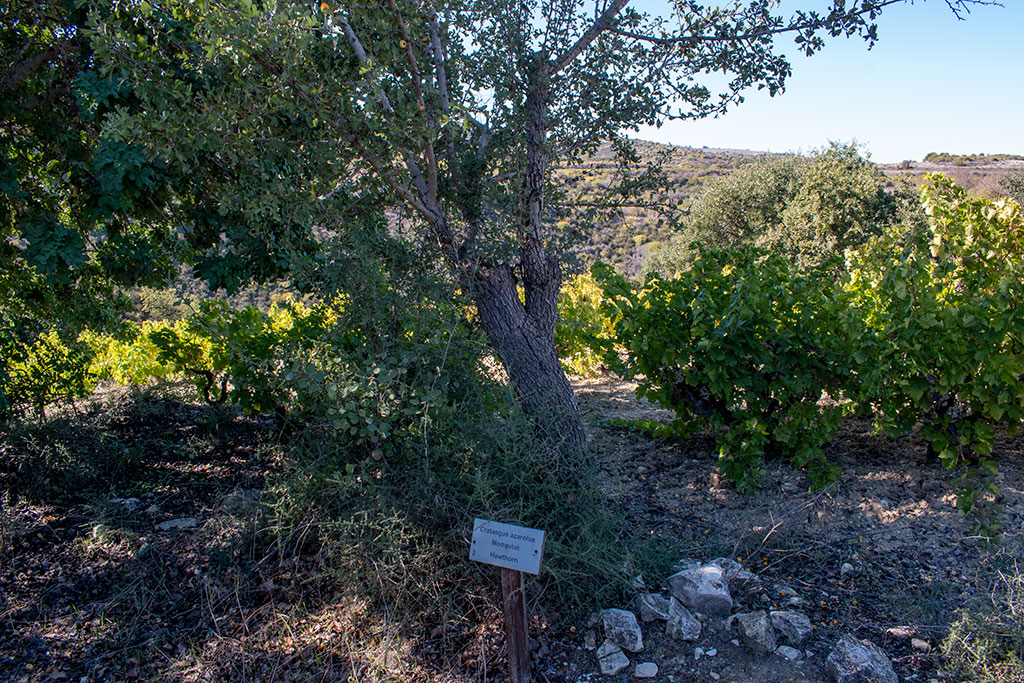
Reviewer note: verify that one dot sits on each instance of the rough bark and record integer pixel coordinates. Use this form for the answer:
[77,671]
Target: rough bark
[526,347]
[523,334]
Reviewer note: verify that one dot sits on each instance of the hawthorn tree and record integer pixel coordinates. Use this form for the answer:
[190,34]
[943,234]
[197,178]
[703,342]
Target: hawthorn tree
[298,115]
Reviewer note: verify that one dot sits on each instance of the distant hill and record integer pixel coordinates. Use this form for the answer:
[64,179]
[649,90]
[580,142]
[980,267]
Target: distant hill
[980,174]
[625,240]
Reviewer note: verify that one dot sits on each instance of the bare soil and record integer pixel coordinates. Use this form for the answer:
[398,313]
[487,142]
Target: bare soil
[93,589]
[892,517]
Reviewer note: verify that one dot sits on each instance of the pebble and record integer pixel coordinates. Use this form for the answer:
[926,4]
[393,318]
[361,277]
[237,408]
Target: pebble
[182,524]
[787,652]
[920,645]
[646,670]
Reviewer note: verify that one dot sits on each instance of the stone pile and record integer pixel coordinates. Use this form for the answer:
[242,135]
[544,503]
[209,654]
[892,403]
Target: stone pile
[701,602]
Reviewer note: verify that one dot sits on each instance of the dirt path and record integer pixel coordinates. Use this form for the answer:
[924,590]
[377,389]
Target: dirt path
[911,558]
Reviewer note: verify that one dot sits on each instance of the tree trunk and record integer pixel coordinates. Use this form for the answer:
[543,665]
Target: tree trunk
[526,346]
[522,333]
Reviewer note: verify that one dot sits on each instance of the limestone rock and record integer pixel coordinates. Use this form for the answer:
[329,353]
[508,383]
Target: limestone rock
[621,628]
[611,659]
[734,572]
[646,670]
[681,624]
[182,524]
[859,661]
[652,607]
[920,645]
[704,589]
[787,652]
[793,626]
[756,632]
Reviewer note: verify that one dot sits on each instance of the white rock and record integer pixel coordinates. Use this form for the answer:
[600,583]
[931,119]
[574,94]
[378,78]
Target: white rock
[785,590]
[859,661]
[787,652]
[652,607]
[698,652]
[846,568]
[793,626]
[681,624]
[704,589]
[611,659]
[711,653]
[646,670]
[182,524]
[734,572]
[756,632]
[621,628]
[920,645]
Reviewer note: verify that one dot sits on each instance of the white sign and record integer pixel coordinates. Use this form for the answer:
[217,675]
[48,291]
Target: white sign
[507,545]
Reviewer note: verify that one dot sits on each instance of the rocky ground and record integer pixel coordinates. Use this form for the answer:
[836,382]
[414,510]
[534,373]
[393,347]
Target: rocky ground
[883,555]
[162,578]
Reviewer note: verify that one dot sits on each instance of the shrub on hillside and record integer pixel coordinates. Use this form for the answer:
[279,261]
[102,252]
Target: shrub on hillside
[808,210]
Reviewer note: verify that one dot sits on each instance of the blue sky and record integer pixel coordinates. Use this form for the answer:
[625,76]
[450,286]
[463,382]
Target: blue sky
[931,84]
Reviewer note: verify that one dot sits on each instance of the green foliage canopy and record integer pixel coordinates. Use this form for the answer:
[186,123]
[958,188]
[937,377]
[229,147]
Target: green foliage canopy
[807,209]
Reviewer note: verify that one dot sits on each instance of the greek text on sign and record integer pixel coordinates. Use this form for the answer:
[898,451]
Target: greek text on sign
[507,545]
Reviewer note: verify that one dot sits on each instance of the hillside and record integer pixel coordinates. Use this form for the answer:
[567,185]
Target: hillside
[624,239]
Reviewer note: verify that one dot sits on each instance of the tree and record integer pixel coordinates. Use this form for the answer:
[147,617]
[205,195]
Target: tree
[841,201]
[296,114]
[80,215]
[806,209]
[1013,185]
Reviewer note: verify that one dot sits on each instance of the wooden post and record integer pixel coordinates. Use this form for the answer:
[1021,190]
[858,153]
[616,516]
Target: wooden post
[515,625]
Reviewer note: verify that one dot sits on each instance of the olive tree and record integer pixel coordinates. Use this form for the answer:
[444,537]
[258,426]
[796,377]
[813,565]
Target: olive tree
[297,114]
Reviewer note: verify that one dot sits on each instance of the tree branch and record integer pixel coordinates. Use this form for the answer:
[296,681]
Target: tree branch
[20,72]
[956,6]
[439,67]
[600,25]
[40,99]
[357,47]
[430,187]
